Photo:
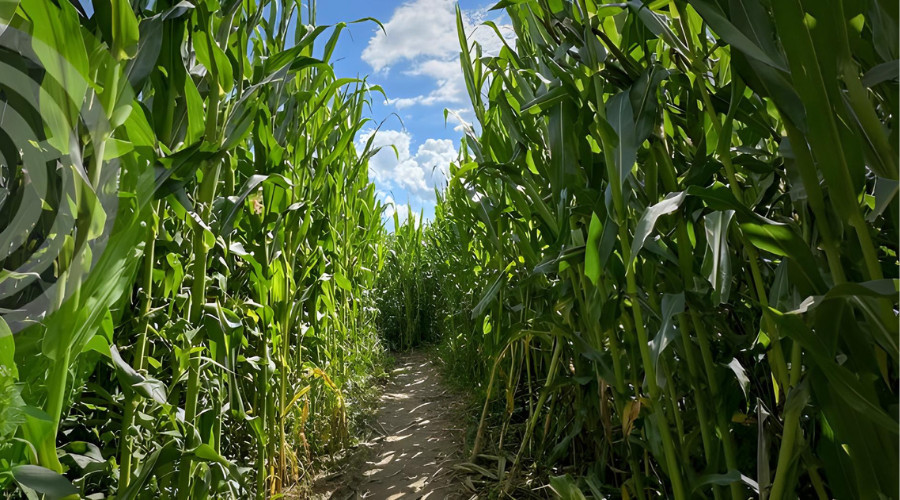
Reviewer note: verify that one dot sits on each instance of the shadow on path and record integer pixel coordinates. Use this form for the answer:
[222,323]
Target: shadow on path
[421,432]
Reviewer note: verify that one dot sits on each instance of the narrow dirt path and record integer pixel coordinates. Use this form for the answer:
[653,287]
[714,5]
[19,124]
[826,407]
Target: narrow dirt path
[422,437]
[422,433]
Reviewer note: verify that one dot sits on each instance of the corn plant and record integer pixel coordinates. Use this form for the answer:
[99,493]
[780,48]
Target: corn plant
[407,286]
[678,227]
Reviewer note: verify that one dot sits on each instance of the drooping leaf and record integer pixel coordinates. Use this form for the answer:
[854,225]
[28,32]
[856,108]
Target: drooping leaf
[45,481]
[717,263]
[672,305]
[648,220]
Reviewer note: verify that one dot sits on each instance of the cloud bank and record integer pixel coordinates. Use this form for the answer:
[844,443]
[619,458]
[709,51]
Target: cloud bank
[420,40]
[416,173]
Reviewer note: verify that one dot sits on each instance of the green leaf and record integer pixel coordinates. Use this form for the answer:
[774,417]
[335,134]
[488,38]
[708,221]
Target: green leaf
[130,378]
[206,452]
[781,240]
[40,430]
[546,100]
[58,44]
[885,193]
[732,476]
[648,220]
[565,488]
[592,250]
[160,458]
[233,204]
[672,305]
[146,53]
[7,349]
[125,30]
[842,381]
[621,119]
[343,282]
[717,264]
[7,10]
[196,118]
[277,61]
[657,25]
[44,481]
[211,56]
[488,297]
[884,72]
[736,38]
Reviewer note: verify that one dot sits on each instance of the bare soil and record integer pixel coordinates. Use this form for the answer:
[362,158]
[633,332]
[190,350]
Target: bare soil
[420,439]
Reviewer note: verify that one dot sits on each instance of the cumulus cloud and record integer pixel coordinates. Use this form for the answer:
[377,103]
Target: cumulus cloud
[417,172]
[421,37]
[402,210]
[409,26]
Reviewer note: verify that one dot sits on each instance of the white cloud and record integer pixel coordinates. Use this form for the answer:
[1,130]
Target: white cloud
[422,36]
[437,69]
[418,28]
[402,211]
[381,165]
[447,75]
[447,91]
[435,156]
[416,173]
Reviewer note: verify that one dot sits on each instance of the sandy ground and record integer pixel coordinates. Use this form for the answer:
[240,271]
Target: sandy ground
[421,432]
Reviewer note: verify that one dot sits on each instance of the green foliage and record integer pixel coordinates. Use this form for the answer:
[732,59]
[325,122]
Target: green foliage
[667,259]
[408,289]
[227,320]
[643,235]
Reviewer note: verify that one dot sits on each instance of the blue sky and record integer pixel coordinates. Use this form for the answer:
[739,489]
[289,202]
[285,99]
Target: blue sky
[417,63]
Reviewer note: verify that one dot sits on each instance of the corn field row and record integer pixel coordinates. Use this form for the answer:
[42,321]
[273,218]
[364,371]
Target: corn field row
[664,265]
[670,250]
[227,323]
